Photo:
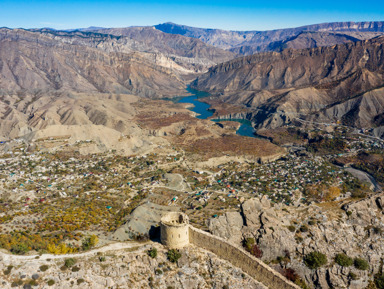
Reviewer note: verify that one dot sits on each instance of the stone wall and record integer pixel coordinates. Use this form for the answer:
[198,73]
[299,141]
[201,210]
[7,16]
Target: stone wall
[240,258]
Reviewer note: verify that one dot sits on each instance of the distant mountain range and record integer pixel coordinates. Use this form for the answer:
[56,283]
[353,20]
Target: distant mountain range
[326,71]
[249,42]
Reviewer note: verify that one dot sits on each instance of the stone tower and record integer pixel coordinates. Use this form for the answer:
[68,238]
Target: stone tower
[174,230]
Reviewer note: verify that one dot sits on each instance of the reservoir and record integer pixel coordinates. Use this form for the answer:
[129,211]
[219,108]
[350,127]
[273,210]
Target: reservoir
[202,109]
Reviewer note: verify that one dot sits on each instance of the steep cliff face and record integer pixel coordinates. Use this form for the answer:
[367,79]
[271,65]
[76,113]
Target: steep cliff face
[341,82]
[45,61]
[173,44]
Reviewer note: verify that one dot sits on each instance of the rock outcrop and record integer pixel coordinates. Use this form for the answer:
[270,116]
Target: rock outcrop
[356,230]
[131,268]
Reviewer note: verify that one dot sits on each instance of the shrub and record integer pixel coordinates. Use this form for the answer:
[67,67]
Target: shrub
[379,281]
[315,260]
[290,274]
[19,249]
[352,276]
[44,268]
[79,281]
[90,242]
[51,282]
[69,262]
[173,255]
[33,283]
[8,270]
[248,243]
[361,264]
[101,258]
[292,228]
[303,228]
[343,260]
[17,283]
[75,269]
[311,222]
[256,251]
[152,253]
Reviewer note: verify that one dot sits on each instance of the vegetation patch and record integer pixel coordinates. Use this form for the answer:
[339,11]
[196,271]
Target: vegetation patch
[315,260]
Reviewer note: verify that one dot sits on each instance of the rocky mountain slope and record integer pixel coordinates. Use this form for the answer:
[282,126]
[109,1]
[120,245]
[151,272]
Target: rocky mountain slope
[249,42]
[35,61]
[147,62]
[285,235]
[172,44]
[126,268]
[343,82]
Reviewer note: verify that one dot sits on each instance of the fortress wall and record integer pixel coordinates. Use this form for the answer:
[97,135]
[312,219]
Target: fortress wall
[240,258]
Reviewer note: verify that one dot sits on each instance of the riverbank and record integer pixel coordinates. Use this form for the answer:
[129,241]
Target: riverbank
[204,111]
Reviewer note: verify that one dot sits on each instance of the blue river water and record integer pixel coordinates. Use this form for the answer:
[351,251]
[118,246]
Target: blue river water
[245,129]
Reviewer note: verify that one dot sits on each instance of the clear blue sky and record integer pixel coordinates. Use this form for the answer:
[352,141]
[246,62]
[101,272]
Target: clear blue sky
[224,14]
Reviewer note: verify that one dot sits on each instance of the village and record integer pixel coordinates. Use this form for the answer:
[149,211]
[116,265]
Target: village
[53,197]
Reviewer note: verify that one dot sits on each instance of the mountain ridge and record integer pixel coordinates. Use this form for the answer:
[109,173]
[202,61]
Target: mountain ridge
[343,82]
[237,40]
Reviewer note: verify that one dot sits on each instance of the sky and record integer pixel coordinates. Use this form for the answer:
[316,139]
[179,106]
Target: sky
[224,14]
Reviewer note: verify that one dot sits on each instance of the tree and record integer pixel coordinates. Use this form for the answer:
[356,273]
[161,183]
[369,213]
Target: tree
[90,242]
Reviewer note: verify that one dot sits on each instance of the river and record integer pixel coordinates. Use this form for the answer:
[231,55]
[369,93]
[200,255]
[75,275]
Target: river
[202,109]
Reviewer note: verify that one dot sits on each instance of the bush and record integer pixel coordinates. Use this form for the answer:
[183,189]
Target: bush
[69,262]
[44,268]
[343,260]
[158,272]
[19,249]
[51,282]
[75,269]
[79,281]
[152,253]
[361,264]
[173,255]
[292,228]
[248,243]
[17,283]
[303,228]
[8,270]
[33,283]
[256,251]
[352,276]
[311,222]
[90,242]
[290,274]
[315,260]
[379,281]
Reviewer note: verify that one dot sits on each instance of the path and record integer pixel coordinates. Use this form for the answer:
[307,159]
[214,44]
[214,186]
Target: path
[111,247]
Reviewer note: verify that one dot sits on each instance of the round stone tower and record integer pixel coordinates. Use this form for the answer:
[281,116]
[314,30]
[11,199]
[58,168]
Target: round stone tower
[174,230]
